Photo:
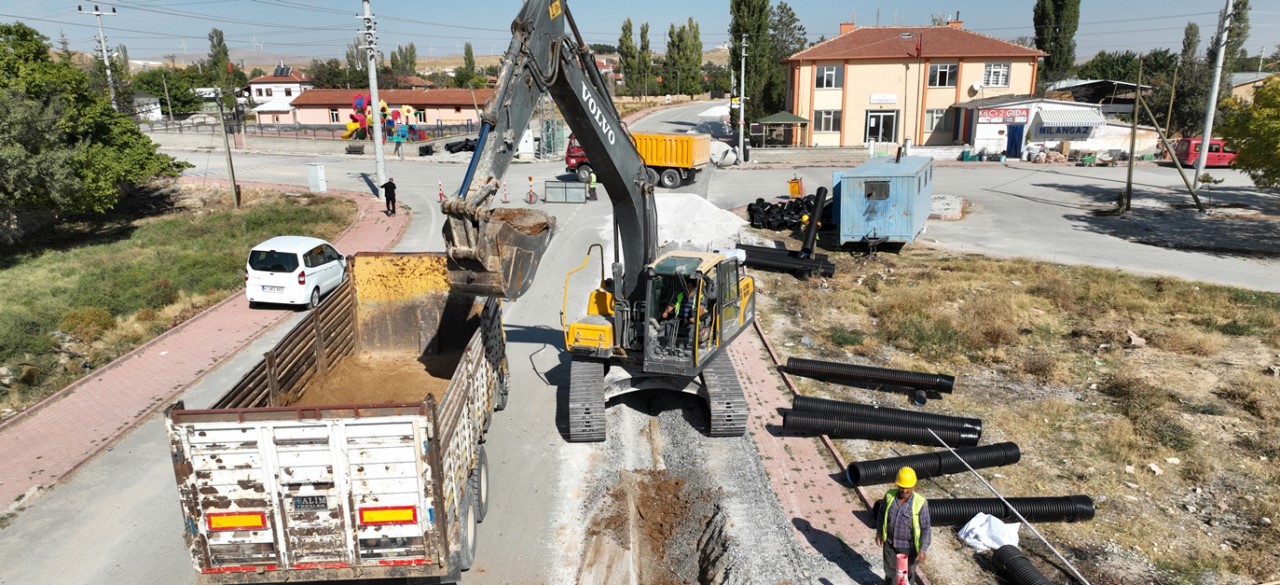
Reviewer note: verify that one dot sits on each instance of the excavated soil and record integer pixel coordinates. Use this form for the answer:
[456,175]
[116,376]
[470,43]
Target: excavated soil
[374,379]
[528,221]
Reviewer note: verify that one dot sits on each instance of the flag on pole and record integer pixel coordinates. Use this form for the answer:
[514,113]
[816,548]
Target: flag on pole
[919,45]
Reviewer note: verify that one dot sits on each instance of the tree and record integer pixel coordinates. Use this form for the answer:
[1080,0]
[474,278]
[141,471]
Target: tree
[751,17]
[404,60]
[628,58]
[1237,35]
[602,49]
[64,48]
[1253,129]
[465,75]
[62,147]
[1056,22]
[789,38]
[644,60]
[717,76]
[179,83]
[681,69]
[256,73]
[1192,88]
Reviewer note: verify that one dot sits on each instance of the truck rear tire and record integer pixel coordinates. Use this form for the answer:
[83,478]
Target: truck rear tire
[584,173]
[670,178]
[480,485]
[467,533]
[652,174]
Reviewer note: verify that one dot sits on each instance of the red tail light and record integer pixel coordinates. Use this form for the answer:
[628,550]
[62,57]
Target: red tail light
[302,277]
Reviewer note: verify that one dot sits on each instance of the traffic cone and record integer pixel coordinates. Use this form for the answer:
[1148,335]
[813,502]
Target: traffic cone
[902,571]
[441,190]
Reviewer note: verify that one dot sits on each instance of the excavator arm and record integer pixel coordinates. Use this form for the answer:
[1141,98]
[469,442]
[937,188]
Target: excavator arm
[497,251]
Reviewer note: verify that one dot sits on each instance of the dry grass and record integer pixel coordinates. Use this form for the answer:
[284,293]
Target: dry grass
[1042,354]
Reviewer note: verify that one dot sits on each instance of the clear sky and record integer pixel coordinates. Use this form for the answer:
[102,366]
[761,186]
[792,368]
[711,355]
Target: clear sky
[301,29]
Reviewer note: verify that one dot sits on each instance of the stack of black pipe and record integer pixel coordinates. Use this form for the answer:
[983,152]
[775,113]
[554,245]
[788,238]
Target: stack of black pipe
[847,420]
[934,464]
[958,511]
[1010,561]
[786,215]
[784,260]
[850,374]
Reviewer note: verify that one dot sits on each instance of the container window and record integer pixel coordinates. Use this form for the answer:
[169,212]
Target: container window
[272,261]
[877,190]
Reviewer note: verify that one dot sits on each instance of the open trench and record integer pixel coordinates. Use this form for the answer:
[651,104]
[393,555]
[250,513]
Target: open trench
[670,505]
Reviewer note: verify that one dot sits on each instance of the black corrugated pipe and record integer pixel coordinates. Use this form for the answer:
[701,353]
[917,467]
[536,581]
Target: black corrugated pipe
[811,234]
[927,465]
[878,430]
[791,264]
[955,512]
[909,417]
[1010,561]
[765,250]
[836,372]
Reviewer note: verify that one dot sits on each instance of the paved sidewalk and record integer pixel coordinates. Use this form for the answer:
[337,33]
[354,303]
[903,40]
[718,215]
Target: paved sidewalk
[48,441]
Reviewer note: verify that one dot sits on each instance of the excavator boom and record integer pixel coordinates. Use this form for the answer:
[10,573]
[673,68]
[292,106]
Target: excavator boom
[497,251]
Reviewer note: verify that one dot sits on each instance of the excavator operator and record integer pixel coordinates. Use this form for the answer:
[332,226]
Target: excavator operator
[683,307]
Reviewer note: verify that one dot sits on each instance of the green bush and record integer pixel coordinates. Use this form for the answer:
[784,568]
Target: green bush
[23,332]
[845,337]
[87,323]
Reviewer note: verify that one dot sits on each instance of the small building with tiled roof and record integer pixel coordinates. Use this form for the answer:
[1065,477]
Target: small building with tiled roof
[283,82]
[893,83]
[1243,85]
[430,106]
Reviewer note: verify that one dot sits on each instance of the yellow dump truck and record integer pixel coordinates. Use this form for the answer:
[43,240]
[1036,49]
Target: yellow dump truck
[353,449]
[672,159]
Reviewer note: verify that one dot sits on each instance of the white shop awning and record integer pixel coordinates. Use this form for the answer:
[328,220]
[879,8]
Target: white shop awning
[1073,117]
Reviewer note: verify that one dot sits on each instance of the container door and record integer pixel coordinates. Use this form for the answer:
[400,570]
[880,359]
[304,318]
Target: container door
[877,210]
[227,501]
[1013,146]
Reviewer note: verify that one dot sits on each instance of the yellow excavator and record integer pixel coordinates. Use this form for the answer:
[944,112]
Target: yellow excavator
[653,321]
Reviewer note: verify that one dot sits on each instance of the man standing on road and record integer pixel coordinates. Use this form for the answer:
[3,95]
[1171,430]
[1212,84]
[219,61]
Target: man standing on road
[591,187]
[389,189]
[903,526]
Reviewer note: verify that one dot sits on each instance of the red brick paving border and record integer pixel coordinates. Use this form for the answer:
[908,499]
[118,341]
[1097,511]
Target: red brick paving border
[51,439]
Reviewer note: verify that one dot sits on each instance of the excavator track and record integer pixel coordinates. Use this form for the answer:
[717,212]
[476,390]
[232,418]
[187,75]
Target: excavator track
[586,400]
[725,399]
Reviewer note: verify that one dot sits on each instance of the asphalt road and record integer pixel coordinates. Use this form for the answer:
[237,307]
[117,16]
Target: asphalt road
[116,519]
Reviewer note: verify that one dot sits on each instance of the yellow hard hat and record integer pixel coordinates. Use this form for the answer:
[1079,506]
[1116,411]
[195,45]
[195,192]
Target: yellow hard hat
[906,478]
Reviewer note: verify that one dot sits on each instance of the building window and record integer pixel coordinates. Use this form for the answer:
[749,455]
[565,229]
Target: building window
[457,109]
[259,90]
[268,92]
[333,115]
[830,76]
[943,75]
[937,120]
[288,91]
[826,121]
[421,115]
[996,75]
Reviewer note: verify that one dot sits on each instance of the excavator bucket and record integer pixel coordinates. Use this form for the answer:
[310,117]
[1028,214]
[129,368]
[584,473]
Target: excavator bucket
[516,240]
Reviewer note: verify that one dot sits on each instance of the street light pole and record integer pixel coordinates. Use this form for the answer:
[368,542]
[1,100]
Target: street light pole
[1206,136]
[371,49]
[742,100]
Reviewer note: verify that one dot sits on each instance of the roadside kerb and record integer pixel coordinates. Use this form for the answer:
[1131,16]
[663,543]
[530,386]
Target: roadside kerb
[49,441]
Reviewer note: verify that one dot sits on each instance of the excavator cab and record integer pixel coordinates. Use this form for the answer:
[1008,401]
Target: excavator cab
[693,307]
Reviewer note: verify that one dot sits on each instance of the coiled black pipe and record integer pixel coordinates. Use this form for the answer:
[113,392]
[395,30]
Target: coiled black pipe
[1010,561]
[837,372]
[811,233]
[955,512]
[926,465]
[877,430]
[906,417]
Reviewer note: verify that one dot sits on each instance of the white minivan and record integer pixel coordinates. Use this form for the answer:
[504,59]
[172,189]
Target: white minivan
[292,270]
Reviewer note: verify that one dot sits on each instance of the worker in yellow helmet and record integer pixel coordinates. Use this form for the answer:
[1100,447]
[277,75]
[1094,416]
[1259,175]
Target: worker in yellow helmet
[903,526]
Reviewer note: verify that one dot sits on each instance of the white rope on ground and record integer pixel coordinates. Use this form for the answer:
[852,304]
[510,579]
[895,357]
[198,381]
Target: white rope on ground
[1074,572]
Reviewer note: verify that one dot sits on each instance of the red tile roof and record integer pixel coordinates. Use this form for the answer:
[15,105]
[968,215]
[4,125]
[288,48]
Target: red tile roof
[419,98]
[893,42]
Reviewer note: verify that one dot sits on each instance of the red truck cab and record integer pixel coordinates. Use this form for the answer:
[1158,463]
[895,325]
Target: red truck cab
[575,160]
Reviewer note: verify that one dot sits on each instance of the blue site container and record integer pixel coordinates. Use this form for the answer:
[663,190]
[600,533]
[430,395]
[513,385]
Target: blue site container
[883,200]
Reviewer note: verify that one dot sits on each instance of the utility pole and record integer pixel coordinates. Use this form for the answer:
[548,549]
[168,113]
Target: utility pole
[1224,28]
[1133,141]
[231,169]
[165,80]
[371,49]
[742,101]
[102,46]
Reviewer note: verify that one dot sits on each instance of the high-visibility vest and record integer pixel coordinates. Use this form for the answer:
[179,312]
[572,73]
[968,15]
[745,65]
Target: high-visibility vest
[592,184]
[917,502]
